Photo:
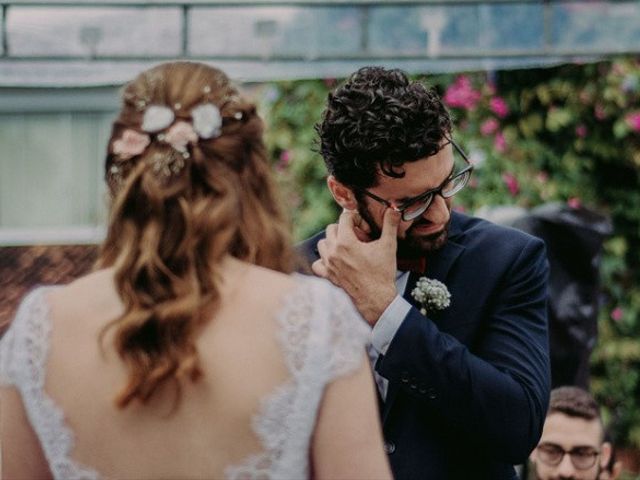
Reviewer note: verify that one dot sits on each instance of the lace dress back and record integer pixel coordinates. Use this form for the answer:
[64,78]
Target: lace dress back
[321,336]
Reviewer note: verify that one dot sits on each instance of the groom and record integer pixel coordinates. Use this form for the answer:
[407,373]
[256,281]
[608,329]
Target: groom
[464,384]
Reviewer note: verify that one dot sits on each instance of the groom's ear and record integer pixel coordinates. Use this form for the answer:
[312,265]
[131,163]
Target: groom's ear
[342,194]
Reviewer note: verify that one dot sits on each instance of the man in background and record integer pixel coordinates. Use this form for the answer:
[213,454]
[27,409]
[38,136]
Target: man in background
[572,445]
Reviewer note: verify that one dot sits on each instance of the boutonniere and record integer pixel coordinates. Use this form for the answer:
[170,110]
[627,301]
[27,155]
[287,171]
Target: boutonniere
[431,294]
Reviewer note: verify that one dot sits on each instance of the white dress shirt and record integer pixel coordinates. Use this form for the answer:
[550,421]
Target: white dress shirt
[386,328]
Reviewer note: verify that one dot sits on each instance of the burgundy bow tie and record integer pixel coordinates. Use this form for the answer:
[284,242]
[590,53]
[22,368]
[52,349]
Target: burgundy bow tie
[417,265]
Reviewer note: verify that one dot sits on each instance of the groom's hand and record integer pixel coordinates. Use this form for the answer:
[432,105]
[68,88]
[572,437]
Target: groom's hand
[366,270]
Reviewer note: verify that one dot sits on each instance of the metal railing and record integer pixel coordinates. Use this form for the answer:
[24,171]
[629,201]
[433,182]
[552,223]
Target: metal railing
[435,54]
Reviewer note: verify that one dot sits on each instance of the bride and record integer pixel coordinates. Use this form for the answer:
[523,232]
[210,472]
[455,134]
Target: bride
[192,351]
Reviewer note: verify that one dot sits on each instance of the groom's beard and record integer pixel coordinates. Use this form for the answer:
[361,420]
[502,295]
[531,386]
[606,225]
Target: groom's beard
[411,245]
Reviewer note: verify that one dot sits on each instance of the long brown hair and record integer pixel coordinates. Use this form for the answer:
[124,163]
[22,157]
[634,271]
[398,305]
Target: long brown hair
[168,232]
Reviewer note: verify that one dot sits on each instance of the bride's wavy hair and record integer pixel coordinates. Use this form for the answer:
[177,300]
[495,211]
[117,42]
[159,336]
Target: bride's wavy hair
[169,229]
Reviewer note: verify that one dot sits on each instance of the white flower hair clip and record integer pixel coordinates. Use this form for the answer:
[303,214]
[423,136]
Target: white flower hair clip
[431,294]
[207,120]
[156,118]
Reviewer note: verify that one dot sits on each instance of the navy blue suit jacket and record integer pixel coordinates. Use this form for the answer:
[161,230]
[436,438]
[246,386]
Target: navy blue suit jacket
[469,385]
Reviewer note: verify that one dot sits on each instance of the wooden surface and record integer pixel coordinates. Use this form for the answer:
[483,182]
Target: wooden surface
[23,268]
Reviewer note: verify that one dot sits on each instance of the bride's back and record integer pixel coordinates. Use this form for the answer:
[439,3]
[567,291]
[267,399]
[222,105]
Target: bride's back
[210,428]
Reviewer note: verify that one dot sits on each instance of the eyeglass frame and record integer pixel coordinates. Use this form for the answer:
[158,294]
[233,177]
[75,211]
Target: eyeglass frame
[432,192]
[594,454]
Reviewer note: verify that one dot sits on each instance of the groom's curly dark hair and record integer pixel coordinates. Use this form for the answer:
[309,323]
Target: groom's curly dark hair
[377,120]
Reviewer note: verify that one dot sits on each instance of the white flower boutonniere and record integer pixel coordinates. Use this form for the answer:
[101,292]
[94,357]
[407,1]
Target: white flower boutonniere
[432,295]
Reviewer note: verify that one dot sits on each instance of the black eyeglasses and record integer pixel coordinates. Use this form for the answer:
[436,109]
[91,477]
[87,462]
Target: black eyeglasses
[582,458]
[413,207]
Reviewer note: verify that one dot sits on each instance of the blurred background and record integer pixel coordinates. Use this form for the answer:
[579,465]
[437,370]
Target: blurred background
[545,96]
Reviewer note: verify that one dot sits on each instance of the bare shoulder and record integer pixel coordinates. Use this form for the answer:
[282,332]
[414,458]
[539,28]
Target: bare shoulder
[94,293]
[266,278]
[269,281]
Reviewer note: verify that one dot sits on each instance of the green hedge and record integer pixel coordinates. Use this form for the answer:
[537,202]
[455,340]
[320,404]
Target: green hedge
[568,134]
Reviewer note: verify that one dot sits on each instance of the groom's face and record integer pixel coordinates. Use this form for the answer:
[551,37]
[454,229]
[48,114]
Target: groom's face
[429,231]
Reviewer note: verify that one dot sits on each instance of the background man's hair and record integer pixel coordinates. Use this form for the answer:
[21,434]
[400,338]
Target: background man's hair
[376,121]
[574,402]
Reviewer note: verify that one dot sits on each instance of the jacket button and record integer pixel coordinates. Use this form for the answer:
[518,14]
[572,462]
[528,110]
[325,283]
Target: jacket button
[404,378]
[431,393]
[389,447]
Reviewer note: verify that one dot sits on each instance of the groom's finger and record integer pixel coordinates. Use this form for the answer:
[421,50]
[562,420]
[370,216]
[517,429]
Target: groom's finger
[390,224]
[323,247]
[319,269]
[346,225]
[331,232]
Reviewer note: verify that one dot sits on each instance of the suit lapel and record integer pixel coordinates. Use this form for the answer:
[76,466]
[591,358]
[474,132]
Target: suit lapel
[438,266]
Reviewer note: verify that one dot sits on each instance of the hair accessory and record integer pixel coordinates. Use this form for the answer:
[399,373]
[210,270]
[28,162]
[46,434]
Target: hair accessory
[206,123]
[156,118]
[165,165]
[130,144]
[207,120]
[179,136]
[116,175]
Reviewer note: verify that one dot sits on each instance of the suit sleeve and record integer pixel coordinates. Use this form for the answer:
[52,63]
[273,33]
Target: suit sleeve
[496,395]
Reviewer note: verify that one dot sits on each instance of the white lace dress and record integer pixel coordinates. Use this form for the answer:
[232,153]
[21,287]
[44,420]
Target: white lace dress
[322,338]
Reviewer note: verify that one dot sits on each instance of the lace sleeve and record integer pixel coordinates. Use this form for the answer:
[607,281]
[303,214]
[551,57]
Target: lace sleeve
[10,349]
[23,358]
[349,335]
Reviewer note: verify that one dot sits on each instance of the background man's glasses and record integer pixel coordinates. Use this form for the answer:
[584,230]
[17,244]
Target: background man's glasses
[416,206]
[582,458]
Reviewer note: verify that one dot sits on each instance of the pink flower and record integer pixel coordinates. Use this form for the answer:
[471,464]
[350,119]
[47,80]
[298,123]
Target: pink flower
[499,107]
[499,143]
[461,94]
[581,131]
[616,314]
[285,159]
[633,120]
[574,202]
[130,144]
[599,112]
[511,182]
[489,127]
[180,135]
